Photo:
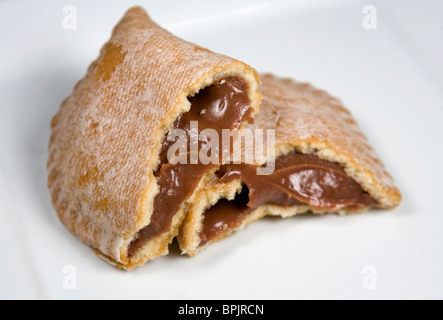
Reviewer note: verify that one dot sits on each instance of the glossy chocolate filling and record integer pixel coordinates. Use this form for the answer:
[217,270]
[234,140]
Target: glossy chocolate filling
[223,105]
[298,179]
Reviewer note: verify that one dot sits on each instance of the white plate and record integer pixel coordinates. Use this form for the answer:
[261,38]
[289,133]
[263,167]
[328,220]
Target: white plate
[389,77]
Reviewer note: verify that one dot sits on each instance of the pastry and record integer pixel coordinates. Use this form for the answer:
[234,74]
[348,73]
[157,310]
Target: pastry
[109,176]
[323,163]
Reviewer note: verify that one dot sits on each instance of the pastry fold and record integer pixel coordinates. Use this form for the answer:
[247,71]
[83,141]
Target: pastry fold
[105,151]
[323,163]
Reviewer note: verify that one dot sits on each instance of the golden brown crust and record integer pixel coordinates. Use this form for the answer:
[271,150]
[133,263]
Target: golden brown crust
[310,121]
[107,134]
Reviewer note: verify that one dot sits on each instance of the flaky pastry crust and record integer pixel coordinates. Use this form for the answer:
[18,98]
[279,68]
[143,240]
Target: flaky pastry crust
[106,137]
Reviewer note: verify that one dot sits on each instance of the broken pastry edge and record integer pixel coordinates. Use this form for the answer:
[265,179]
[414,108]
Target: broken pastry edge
[158,246]
[189,235]
[271,210]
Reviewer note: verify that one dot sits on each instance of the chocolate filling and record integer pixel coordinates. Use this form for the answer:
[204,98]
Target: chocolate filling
[298,179]
[223,105]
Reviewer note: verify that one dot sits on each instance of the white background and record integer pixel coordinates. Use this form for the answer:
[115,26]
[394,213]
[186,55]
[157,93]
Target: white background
[390,78]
